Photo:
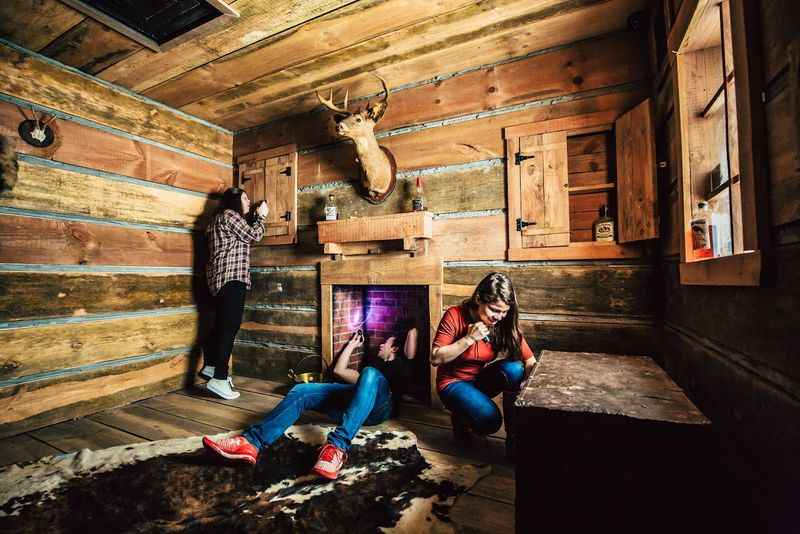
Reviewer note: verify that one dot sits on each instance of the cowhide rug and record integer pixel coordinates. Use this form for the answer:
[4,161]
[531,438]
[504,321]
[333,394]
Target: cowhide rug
[176,486]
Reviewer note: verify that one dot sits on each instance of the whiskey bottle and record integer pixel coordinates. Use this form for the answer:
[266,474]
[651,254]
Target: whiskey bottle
[331,213]
[418,202]
[604,226]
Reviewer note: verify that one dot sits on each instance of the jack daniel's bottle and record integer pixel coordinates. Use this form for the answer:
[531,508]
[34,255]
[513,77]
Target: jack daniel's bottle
[331,213]
[604,226]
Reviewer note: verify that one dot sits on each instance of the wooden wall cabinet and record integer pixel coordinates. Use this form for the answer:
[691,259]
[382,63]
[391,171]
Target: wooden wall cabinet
[540,195]
[271,175]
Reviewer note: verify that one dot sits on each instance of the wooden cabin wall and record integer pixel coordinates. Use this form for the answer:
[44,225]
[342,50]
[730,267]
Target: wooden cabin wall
[735,349]
[98,247]
[449,131]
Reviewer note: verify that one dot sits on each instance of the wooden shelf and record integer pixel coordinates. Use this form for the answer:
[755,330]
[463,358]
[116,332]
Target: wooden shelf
[349,236]
[580,250]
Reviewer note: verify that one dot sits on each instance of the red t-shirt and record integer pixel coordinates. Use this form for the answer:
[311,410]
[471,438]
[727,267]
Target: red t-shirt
[453,326]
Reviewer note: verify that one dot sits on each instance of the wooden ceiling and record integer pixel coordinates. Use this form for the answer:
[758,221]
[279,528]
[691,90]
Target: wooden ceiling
[268,63]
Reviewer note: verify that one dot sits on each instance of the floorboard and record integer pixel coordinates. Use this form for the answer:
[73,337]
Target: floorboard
[202,410]
[152,424]
[22,449]
[71,436]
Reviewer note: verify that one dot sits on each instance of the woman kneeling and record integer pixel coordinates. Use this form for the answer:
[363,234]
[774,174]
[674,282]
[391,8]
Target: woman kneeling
[364,397]
[480,352]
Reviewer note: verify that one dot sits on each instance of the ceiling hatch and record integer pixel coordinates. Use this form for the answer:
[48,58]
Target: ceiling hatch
[158,24]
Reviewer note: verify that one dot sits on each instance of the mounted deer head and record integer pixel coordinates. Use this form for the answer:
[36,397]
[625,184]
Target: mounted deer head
[378,168]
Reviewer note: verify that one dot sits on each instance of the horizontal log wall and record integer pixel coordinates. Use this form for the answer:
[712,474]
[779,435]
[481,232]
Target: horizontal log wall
[100,245]
[448,131]
[734,349]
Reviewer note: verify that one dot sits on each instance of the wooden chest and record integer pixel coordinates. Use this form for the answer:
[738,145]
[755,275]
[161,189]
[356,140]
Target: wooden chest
[608,442]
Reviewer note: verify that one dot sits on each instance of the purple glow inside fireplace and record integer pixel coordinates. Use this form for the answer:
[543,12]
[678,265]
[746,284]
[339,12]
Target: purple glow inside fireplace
[378,310]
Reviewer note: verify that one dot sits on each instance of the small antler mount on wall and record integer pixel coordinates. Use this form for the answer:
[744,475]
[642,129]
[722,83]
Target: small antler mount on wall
[39,131]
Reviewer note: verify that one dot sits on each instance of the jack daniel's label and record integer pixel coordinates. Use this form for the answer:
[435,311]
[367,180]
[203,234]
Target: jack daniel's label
[604,231]
[330,213]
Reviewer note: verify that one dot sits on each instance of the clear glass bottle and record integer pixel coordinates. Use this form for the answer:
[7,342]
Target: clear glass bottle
[331,212]
[418,202]
[604,226]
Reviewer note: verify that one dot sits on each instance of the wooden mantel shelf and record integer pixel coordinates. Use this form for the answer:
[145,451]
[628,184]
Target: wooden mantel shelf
[408,227]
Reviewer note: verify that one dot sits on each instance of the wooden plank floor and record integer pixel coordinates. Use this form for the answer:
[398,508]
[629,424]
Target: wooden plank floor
[487,507]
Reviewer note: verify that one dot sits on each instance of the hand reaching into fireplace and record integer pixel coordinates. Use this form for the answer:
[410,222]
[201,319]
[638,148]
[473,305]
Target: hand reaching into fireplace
[341,370]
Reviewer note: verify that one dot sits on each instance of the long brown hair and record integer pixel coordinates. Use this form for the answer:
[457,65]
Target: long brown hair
[506,336]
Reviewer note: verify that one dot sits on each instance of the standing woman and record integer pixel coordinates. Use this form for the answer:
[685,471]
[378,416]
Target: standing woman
[480,351]
[228,275]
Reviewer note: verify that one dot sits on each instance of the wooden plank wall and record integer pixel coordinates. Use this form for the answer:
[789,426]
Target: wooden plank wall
[98,245]
[734,350]
[448,130]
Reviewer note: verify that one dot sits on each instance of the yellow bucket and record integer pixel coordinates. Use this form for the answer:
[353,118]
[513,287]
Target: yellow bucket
[306,377]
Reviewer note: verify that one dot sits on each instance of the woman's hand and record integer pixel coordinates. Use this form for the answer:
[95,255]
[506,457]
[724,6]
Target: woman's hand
[262,210]
[478,331]
[357,339]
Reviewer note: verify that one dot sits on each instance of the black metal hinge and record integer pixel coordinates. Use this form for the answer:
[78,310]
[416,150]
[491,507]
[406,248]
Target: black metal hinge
[287,216]
[522,224]
[520,157]
[287,171]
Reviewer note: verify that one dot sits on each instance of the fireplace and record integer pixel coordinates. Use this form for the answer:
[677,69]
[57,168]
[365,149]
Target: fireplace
[376,295]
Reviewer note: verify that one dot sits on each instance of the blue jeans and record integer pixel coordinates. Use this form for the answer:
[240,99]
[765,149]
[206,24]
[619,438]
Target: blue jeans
[368,401]
[471,401]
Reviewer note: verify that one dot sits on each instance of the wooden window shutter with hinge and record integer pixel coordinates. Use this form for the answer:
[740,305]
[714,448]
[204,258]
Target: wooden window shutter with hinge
[271,175]
[637,187]
[538,190]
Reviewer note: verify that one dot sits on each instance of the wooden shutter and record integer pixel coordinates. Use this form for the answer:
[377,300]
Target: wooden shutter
[637,187]
[543,190]
[271,175]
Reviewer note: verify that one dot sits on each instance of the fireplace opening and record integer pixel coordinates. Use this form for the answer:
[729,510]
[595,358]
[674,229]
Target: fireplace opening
[378,310]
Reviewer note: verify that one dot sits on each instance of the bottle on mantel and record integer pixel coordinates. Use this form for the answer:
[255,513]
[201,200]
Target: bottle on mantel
[418,202]
[604,226]
[331,213]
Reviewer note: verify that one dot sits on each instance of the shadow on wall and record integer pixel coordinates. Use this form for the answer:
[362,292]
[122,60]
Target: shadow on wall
[201,295]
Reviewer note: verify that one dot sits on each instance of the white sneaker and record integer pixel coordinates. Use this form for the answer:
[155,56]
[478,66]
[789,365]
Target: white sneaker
[222,388]
[207,372]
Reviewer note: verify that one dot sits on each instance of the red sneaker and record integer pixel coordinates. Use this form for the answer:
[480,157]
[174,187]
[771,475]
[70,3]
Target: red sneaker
[330,461]
[235,448]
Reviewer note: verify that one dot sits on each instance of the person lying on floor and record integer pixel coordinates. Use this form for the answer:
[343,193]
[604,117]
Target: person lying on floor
[365,397]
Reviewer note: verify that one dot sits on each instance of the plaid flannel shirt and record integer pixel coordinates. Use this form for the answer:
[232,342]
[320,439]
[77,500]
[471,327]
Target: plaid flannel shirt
[229,238]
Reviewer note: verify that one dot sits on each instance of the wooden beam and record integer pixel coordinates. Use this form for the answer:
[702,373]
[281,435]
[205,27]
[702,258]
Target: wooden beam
[737,270]
[72,191]
[458,35]
[258,20]
[33,350]
[35,24]
[577,251]
[53,241]
[81,95]
[127,155]
[326,318]
[426,270]
[38,404]
[37,295]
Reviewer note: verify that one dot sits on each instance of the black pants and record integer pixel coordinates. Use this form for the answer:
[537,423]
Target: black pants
[229,307]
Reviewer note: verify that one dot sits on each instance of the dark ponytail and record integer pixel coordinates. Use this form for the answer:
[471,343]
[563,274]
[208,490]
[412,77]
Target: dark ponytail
[232,200]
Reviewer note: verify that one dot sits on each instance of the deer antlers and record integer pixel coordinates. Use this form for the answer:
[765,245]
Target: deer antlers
[376,110]
[328,102]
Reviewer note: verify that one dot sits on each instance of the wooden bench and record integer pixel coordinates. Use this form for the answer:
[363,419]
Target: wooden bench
[608,442]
